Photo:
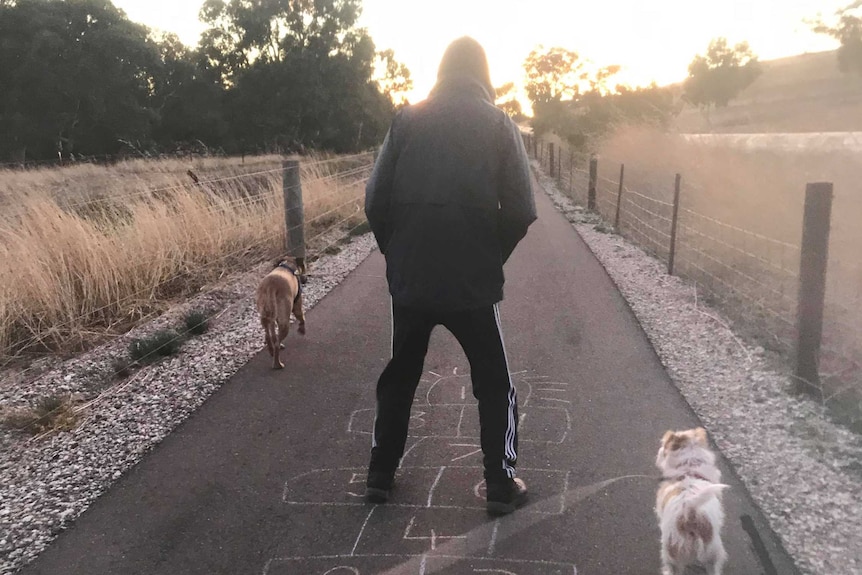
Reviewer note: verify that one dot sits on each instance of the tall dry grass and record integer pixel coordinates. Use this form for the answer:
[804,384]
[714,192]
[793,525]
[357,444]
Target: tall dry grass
[87,251]
[740,232]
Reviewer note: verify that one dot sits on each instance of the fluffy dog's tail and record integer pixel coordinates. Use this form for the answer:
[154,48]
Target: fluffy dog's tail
[694,529]
[704,493]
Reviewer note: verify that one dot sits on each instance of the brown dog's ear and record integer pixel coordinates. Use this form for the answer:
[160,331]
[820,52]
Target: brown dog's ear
[700,436]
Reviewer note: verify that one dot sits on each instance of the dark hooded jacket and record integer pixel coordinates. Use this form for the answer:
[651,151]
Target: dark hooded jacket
[449,199]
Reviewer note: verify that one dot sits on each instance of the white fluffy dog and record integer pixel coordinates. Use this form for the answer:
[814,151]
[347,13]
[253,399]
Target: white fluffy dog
[688,503]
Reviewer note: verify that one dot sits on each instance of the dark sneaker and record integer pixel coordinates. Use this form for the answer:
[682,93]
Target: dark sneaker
[378,485]
[504,498]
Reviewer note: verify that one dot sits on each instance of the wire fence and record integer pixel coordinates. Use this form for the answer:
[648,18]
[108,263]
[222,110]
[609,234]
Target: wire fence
[755,279]
[252,222]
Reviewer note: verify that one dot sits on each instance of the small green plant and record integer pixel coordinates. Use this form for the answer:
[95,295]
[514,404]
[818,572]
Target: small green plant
[161,343]
[197,322]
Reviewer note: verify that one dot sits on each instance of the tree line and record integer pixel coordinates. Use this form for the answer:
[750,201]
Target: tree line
[77,77]
[579,102]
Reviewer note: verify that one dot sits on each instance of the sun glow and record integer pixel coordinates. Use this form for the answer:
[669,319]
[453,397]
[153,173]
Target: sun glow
[651,41]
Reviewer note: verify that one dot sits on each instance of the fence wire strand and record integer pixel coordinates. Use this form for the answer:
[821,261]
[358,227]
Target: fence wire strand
[222,207]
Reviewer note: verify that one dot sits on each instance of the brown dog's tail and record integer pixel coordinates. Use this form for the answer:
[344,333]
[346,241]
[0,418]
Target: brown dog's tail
[267,307]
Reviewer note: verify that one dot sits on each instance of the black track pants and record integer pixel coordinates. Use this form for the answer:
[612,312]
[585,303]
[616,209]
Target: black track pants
[478,331]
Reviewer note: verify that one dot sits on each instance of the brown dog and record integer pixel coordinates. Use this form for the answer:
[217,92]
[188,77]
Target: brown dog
[279,294]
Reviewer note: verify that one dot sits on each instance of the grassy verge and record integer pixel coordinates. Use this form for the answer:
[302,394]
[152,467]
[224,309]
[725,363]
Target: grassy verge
[739,236]
[87,251]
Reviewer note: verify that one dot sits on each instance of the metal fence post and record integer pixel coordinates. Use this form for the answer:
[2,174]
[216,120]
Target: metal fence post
[591,190]
[673,225]
[571,173]
[551,158]
[294,220]
[619,198]
[814,254]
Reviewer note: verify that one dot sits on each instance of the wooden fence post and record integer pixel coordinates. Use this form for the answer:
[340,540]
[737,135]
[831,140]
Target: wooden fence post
[551,158]
[571,172]
[591,190]
[559,163]
[294,220]
[673,225]
[535,142]
[814,254]
[619,198]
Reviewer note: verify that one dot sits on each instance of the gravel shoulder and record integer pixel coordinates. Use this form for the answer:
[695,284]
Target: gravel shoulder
[804,471]
[46,483]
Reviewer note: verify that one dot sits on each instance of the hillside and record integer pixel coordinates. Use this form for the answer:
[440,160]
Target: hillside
[805,93]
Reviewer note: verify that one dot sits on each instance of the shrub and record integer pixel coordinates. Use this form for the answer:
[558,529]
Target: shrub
[47,413]
[197,322]
[161,343]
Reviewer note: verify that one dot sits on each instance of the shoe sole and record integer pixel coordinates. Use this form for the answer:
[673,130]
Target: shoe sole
[376,495]
[501,508]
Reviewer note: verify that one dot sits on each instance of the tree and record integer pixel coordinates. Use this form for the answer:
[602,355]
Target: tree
[719,76]
[188,102]
[553,75]
[393,77]
[848,31]
[510,103]
[76,78]
[242,31]
[297,73]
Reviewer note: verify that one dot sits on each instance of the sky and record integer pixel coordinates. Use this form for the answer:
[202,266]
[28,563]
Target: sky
[651,40]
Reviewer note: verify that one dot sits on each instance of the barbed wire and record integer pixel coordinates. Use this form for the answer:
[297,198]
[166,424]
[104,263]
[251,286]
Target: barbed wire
[114,198]
[180,336]
[135,296]
[733,270]
[333,210]
[131,297]
[734,289]
[220,207]
[744,268]
[738,229]
[765,261]
[223,258]
[319,198]
[262,242]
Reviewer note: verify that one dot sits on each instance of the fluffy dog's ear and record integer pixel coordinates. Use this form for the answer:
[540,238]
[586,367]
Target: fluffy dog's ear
[700,436]
[668,435]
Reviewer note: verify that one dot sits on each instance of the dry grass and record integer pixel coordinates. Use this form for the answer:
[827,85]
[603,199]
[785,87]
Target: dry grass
[51,413]
[740,228]
[87,250]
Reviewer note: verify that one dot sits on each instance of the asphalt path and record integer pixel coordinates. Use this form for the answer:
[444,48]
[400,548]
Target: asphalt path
[267,476]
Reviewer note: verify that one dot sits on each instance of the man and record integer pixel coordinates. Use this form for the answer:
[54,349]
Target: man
[448,201]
